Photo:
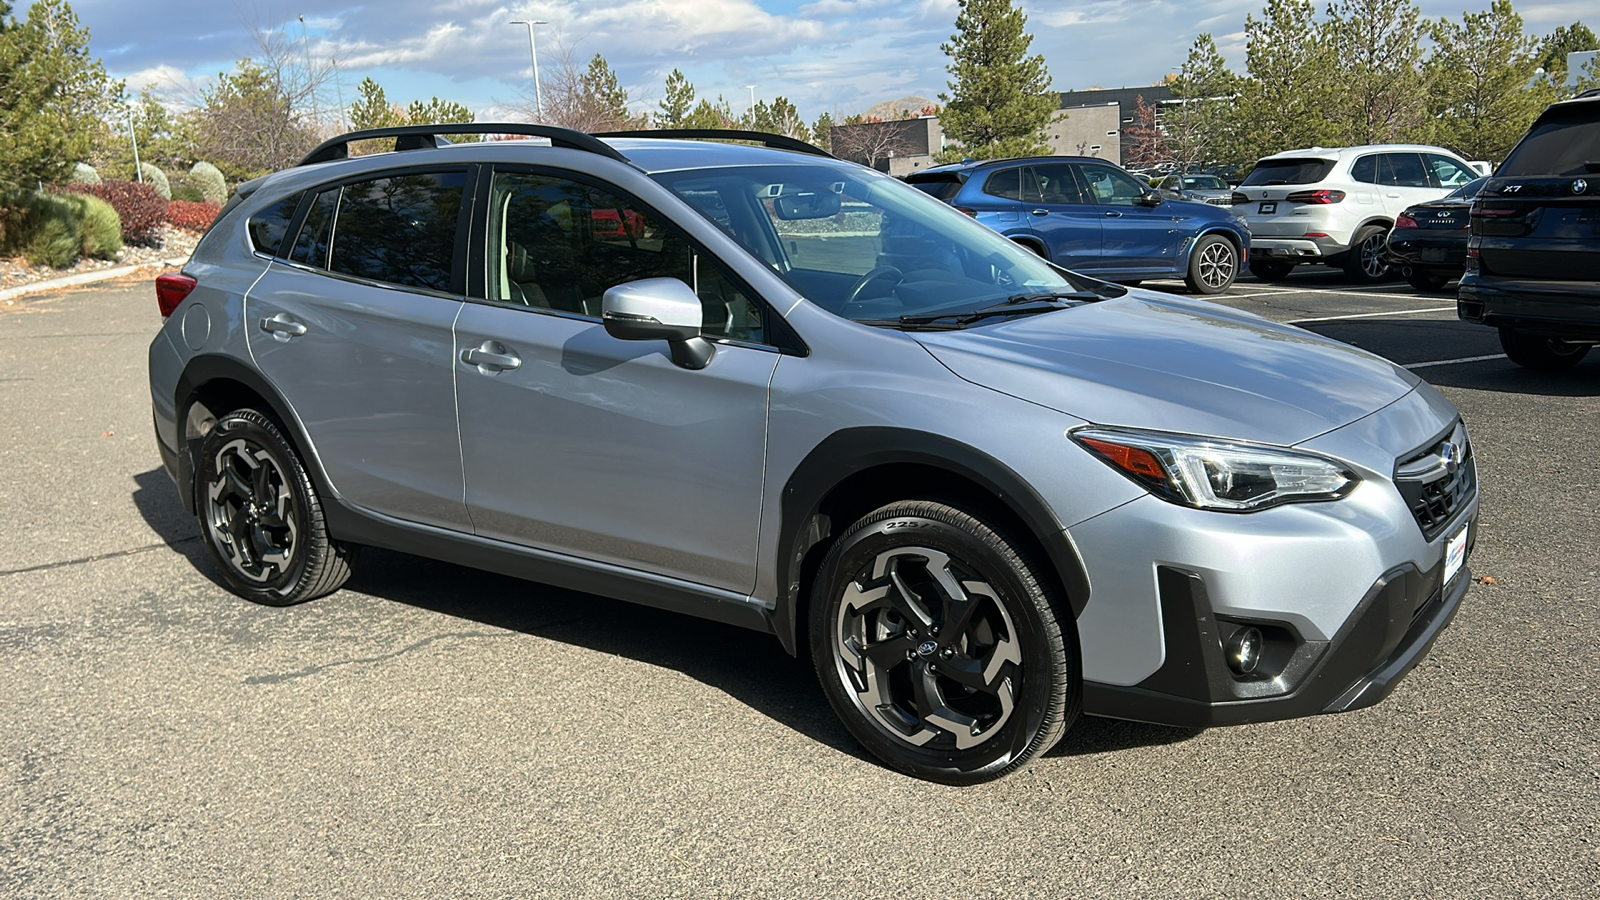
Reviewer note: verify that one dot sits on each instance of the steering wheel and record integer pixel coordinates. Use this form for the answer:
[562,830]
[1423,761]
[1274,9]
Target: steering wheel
[870,277]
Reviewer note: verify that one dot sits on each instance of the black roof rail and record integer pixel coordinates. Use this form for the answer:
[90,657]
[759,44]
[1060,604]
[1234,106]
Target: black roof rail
[775,141]
[417,137]
[1591,92]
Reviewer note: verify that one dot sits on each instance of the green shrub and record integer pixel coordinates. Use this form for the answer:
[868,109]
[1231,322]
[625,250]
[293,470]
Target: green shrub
[184,189]
[152,175]
[41,227]
[98,225]
[83,173]
[208,178]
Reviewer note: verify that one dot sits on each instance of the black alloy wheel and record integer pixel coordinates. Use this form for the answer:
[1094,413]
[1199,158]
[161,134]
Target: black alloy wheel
[938,643]
[1546,354]
[1212,265]
[1365,263]
[1270,270]
[260,517]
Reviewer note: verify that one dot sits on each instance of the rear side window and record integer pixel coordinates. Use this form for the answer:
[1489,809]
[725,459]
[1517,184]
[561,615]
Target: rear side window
[1288,171]
[1005,184]
[940,187]
[268,226]
[1568,144]
[311,248]
[400,230]
[1058,185]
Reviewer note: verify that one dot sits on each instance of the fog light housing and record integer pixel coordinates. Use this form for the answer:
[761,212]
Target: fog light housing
[1244,650]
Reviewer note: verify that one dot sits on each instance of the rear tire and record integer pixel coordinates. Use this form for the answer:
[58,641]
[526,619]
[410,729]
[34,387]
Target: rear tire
[1428,282]
[1213,265]
[1270,270]
[260,516]
[1545,354]
[1364,264]
[937,642]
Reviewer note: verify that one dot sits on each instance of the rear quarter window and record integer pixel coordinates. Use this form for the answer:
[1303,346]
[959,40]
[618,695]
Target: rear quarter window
[269,226]
[1288,171]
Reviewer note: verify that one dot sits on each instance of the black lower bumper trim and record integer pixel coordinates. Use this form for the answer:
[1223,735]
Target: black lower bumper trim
[1385,639]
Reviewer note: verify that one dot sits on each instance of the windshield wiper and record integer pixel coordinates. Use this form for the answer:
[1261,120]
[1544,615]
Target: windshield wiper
[1017,305]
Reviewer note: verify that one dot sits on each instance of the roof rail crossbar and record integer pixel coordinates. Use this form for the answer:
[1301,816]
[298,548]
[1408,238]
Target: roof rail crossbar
[417,137]
[775,141]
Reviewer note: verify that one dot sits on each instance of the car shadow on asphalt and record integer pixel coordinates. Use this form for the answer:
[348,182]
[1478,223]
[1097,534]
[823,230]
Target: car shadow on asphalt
[748,666]
[1502,376]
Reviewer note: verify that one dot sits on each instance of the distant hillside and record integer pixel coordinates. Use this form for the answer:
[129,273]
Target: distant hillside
[896,109]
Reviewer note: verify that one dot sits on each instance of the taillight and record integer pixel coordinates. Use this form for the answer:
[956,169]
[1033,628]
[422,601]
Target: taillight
[1492,212]
[1405,221]
[1321,196]
[1239,199]
[971,212]
[171,288]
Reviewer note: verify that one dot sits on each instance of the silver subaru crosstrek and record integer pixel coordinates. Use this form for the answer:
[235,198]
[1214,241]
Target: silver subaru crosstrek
[761,385]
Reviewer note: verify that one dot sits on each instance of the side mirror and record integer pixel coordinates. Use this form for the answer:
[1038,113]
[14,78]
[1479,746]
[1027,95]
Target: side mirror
[1151,198]
[659,309]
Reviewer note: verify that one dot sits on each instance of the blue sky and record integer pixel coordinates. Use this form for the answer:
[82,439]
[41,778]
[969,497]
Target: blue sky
[839,56]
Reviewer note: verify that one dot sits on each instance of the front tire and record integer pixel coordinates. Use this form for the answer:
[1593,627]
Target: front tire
[260,516]
[937,641]
[1213,265]
[1546,354]
[1364,264]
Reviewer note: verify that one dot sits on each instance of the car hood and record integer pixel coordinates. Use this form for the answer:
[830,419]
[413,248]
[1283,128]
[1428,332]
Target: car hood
[1149,360]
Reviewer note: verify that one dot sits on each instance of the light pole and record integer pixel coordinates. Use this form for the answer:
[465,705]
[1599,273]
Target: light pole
[533,50]
[752,89]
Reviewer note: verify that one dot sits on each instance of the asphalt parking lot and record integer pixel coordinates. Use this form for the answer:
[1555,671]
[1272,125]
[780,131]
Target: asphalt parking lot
[431,730]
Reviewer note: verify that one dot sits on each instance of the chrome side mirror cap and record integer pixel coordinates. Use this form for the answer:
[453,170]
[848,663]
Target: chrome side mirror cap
[659,309]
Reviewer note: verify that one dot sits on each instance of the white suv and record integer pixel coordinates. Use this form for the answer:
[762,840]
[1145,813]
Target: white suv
[1336,206]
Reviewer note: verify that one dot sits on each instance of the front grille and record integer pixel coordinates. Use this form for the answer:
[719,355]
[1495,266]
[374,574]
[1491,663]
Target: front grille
[1220,201]
[1438,480]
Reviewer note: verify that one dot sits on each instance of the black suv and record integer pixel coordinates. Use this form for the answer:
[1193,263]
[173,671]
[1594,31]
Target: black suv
[1533,261]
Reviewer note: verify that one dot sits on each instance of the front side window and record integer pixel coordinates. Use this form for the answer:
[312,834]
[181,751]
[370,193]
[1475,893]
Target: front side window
[1111,187]
[861,244]
[400,230]
[557,243]
[1448,172]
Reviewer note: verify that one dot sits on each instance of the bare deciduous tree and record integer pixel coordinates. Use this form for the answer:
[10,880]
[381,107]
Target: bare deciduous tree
[872,142]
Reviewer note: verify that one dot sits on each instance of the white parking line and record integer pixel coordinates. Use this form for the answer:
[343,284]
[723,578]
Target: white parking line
[1376,315]
[1451,362]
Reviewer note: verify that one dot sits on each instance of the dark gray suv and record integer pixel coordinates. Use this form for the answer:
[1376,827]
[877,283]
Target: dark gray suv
[761,385]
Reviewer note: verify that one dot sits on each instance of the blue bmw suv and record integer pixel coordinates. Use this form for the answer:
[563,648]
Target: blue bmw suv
[1093,217]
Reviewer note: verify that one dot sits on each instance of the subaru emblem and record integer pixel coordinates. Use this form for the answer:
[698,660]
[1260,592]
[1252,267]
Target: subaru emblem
[1450,455]
[927,648]
[1580,186]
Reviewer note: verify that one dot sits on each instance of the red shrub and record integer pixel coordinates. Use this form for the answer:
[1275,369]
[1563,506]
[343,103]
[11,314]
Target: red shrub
[140,206]
[191,216]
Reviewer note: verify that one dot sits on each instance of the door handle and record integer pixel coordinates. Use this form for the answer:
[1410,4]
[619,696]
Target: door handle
[283,326]
[1113,214]
[490,357]
[1041,212]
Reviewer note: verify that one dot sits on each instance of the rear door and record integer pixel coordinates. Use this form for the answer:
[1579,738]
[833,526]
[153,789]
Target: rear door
[1406,181]
[354,329]
[1001,200]
[1064,217]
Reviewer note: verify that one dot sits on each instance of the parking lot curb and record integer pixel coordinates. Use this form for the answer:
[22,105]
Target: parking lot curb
[54,284]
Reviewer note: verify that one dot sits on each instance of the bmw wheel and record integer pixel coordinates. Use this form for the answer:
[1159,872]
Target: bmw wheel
[1533,352]
[937,641]
[1364,264]
[1212,266]
[260,516]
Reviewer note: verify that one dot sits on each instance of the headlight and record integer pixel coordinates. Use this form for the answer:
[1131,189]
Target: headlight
[1209,473]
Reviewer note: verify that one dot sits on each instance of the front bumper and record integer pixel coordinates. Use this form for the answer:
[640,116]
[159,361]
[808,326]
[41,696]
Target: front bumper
[1391,630]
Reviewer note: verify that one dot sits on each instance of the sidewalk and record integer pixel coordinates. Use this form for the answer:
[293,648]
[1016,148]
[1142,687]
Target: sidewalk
[55,284]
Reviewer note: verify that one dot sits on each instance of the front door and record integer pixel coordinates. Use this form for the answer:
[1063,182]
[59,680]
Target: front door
[355,332]
[1137,238]
[579,443]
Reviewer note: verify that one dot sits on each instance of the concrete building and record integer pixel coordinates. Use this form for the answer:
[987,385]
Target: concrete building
[1089,123]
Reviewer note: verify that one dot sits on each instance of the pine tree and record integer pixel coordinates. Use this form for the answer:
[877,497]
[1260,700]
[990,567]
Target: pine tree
[1557,44]
[372,109]
[1000,98]
[603,96]
[678,102]
[1289,98]
[1202,126]
[1380,91]
[52,94]
[1482,91]
[822,132]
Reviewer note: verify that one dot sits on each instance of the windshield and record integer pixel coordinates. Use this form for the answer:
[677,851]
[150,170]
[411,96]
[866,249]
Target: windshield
[1204,183]
[1288,171]
[865,246]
